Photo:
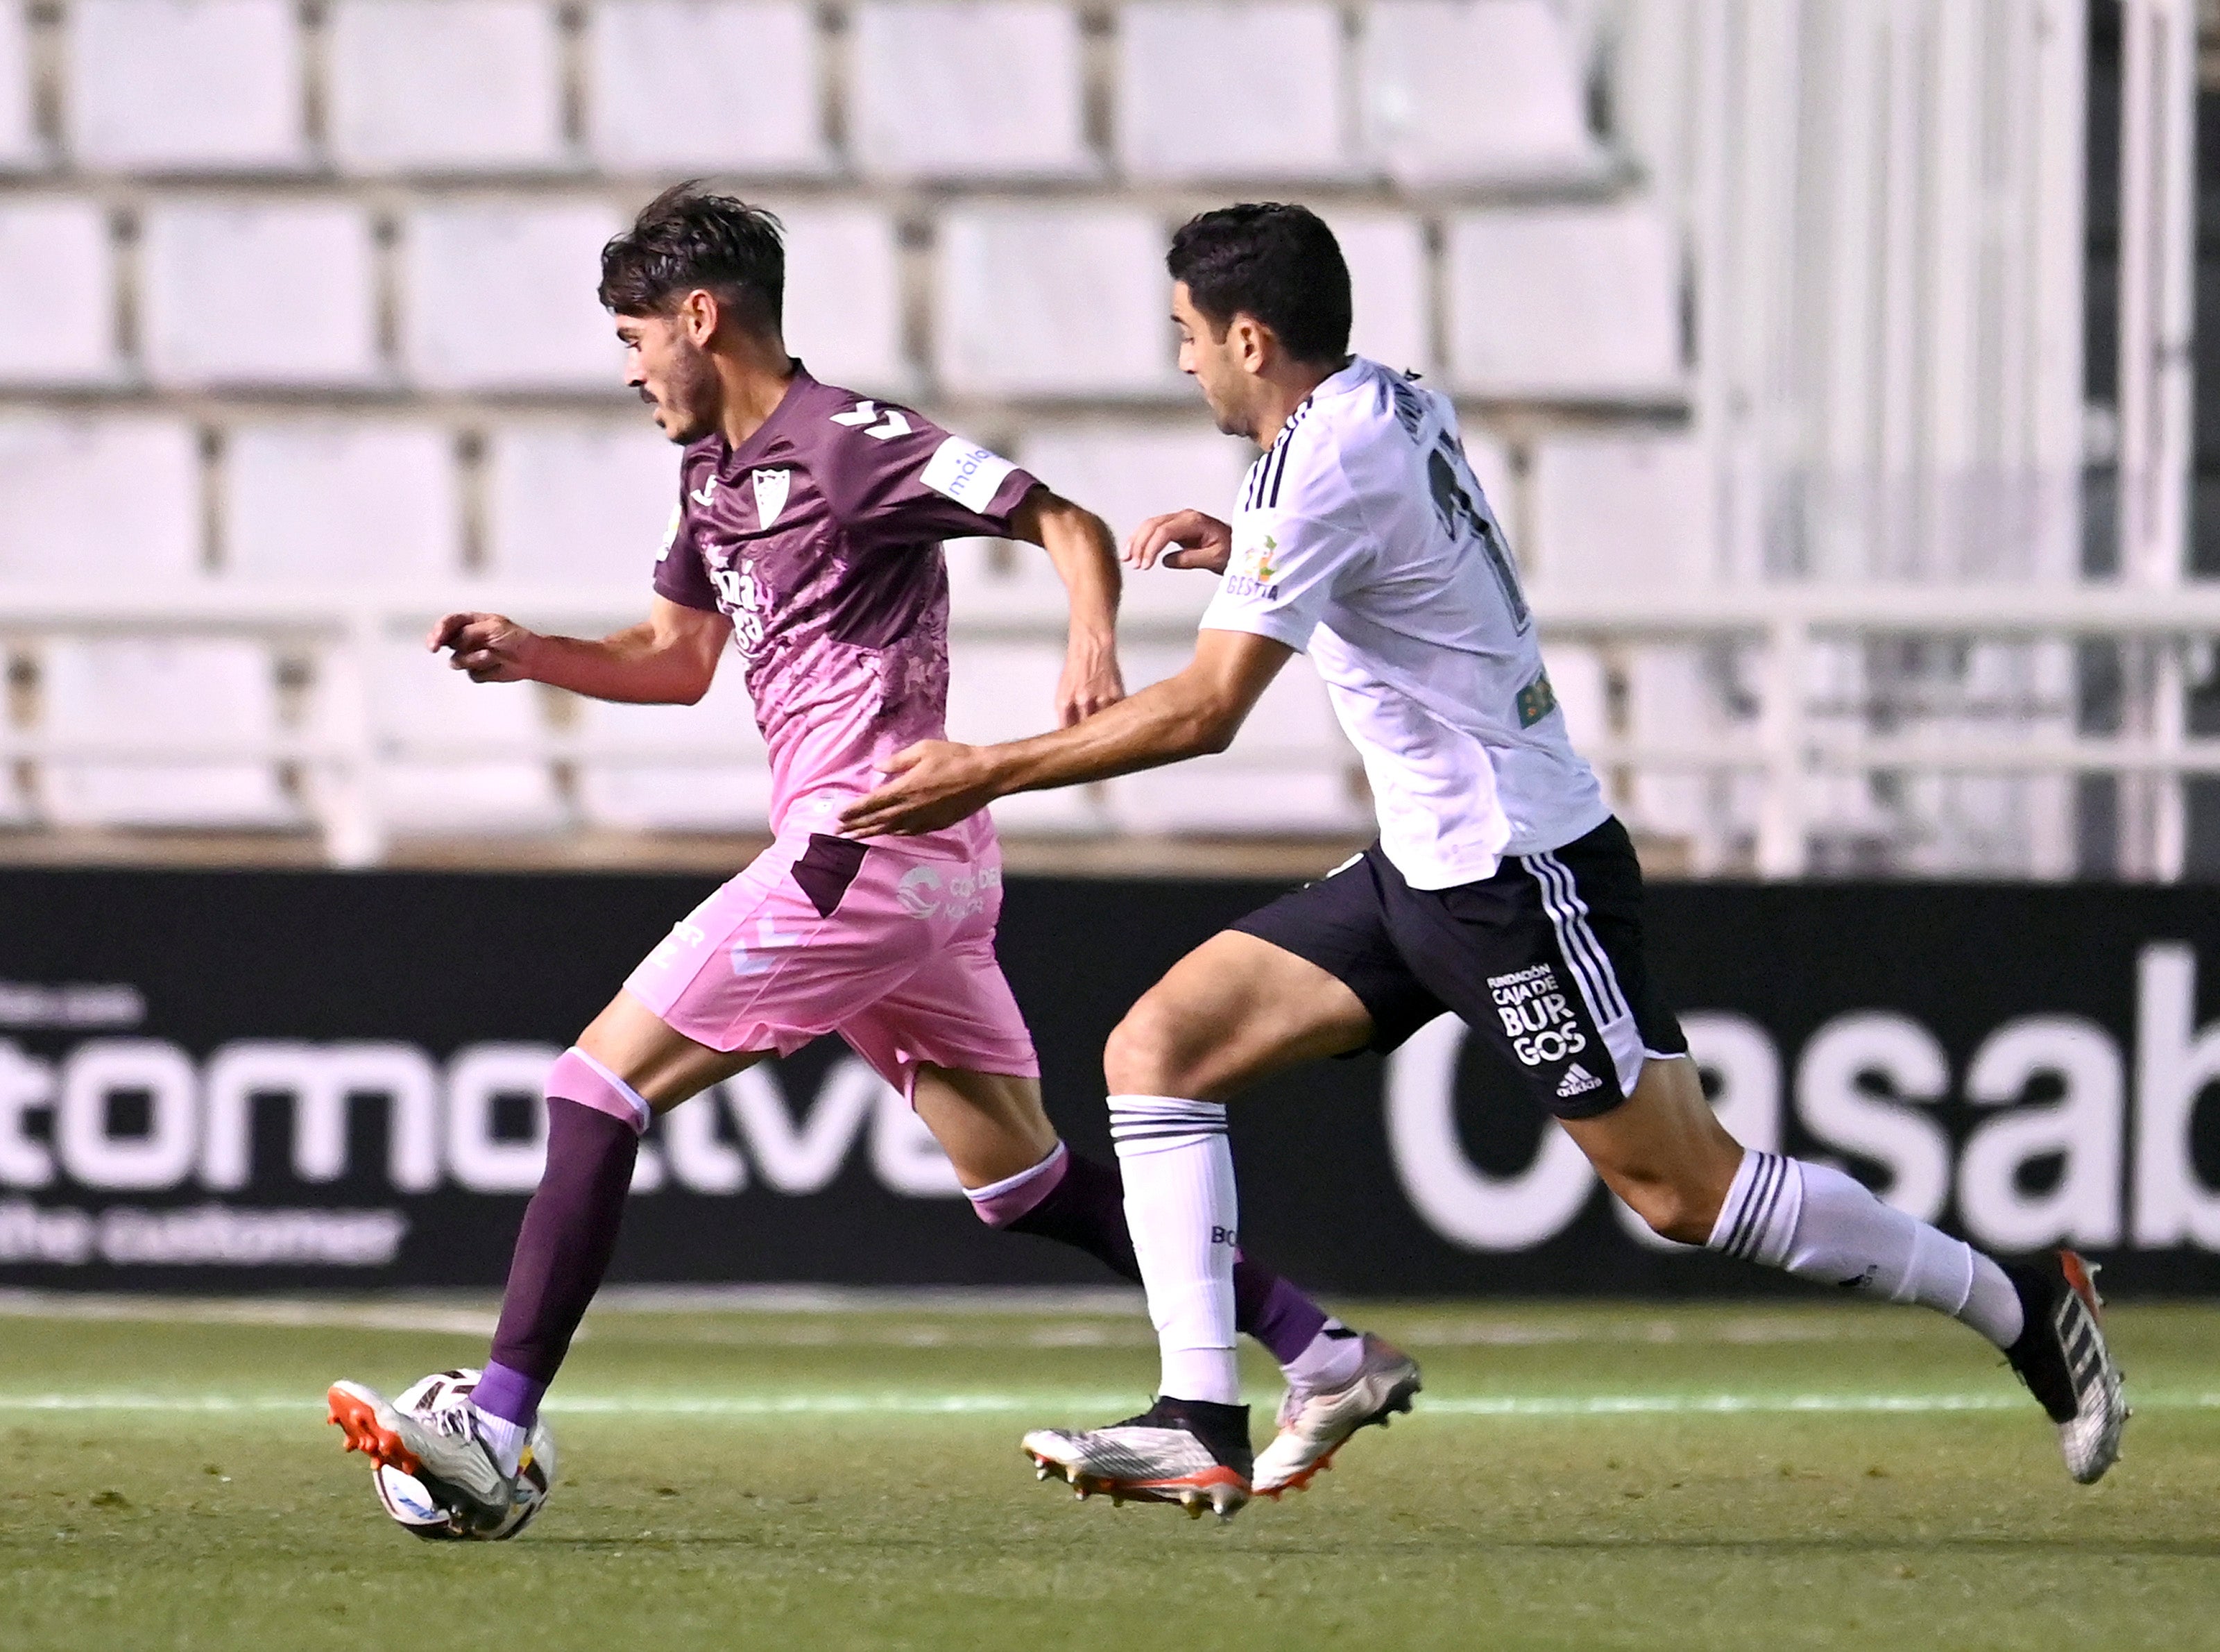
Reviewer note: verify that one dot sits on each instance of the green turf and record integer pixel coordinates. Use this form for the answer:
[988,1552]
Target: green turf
[1575,1477]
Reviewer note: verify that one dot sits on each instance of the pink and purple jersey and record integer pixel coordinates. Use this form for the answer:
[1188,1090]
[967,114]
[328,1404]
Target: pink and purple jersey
[819,538]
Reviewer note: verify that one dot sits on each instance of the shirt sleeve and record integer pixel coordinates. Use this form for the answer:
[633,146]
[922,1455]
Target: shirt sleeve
[899,479]
[1281,576]
[680,573]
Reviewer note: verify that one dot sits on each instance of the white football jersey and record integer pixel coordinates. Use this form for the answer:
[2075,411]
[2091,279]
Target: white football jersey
[1363,540]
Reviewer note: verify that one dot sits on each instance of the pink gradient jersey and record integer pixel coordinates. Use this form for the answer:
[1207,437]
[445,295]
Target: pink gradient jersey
[819,538]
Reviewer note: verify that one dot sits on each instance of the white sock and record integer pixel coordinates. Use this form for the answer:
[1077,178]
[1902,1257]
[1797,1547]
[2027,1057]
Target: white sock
[1330,1359]
[503,1439]
[1821,1224]
[1181,1206]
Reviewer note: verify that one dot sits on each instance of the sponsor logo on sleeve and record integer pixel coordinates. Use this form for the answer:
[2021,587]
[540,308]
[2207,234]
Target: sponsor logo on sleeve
[868,417]
[1536,700]
[966,473]
[1255,571]
[702,494]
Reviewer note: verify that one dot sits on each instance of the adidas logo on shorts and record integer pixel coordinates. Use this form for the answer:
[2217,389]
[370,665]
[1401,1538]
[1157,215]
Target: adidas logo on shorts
[1578,1081]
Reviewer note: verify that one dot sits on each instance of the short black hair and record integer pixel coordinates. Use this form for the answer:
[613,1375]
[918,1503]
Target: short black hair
[1279,264]
[687,238]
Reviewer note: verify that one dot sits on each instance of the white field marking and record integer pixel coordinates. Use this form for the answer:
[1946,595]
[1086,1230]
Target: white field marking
[1078,1403]
[288,1312]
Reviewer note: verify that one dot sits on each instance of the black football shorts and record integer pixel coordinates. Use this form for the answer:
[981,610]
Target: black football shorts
[1545,959]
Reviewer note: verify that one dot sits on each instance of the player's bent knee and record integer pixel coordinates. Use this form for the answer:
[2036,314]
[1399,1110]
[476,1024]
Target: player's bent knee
[1143,1057]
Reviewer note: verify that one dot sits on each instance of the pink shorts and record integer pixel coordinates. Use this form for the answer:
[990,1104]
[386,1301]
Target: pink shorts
[891,944]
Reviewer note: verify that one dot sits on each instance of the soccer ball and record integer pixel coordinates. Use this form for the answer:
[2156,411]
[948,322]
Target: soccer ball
[411,1503]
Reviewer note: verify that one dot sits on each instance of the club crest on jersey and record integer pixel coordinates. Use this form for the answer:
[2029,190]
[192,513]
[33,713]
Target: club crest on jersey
[771,487]
[1255,571]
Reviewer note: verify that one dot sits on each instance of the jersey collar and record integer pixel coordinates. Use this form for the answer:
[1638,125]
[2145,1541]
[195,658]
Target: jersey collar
[797,389]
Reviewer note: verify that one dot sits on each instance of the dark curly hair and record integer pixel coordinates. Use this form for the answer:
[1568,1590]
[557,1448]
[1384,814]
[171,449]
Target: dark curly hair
[687,238]
[1278,263]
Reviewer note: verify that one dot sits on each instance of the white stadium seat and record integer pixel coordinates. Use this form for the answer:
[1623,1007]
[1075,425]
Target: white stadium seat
[1490,458]
[458,757]
[99,498]
[1475,91]
[745,72]
[1583,691]
[56,292]
[15,808]
[987,88]
[1128,474]
[445,85]
[1676,696]
[501,296]
[1055,302]
[161,691]
[843,297]
[1575,302]
[1175,122]
[579,503]
[700,768]
[1620,510]
[1006,691]
[1289,771]
[355,501]
[20,146]
[1390,284]
[260,293]
[186,86]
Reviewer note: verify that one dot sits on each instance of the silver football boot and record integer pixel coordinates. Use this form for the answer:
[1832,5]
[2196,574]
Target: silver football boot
[441,1449]
[2062,1357]
[1184,1451]
[1316,1422]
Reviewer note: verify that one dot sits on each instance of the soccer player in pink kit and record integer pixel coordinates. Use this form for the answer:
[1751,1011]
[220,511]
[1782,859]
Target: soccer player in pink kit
[808,535]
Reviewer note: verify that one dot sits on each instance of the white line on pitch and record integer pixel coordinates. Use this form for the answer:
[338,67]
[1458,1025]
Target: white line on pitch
[929,1404]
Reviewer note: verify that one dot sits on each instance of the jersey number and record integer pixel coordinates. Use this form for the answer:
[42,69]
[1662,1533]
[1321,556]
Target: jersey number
[1455,491]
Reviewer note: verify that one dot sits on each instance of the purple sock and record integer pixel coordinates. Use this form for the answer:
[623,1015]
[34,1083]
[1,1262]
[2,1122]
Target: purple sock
[562,1251]
[1086,1208]
[1274,1311]
[507,1393]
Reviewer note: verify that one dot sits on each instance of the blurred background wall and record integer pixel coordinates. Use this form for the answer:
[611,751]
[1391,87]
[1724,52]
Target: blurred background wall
[1829,363]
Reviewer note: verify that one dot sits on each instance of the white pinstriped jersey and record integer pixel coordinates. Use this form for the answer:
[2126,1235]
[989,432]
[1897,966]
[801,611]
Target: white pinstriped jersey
[1362,539]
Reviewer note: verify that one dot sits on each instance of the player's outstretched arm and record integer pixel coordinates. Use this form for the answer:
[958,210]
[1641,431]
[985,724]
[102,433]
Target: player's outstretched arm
[936,783]
[1079,543]
[668,659]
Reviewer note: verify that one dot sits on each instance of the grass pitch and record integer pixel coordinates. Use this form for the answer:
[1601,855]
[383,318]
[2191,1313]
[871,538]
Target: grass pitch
[1589,1477]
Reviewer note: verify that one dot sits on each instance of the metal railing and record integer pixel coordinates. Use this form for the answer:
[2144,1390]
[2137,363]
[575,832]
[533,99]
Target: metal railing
[1789,745]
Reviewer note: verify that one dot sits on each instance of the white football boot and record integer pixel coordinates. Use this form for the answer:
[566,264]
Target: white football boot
[1315,1421]
[2062,1357]
[1185,1451]
[441,1449]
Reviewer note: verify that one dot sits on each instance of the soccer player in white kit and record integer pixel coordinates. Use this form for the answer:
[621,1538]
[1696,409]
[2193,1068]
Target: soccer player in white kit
[1501,888]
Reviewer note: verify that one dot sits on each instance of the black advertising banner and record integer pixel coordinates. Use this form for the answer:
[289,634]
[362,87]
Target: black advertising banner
[231,1080]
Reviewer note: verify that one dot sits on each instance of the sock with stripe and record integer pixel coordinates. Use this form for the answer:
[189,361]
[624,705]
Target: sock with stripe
[1081,1202]
[1180,1207]
[1821,1224]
